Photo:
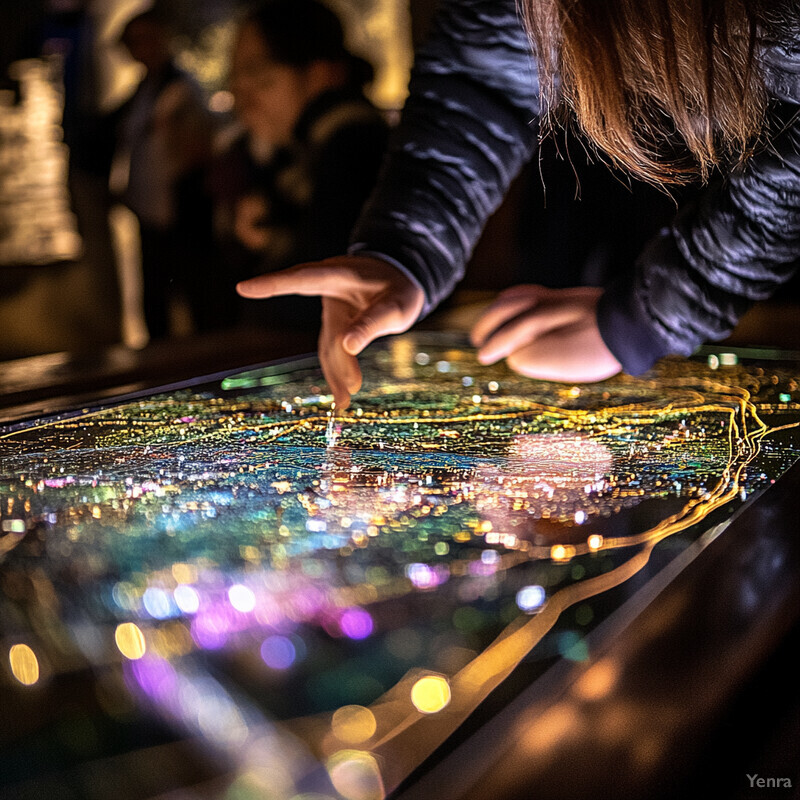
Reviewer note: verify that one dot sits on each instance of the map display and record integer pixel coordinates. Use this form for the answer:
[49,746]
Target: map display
[323,598]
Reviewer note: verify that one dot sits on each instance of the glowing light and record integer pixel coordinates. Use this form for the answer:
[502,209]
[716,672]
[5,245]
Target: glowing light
[356,775]
[563,460]
[421,575]
[572,646]
[170,641]
[597,681]
[562,552]
[353,724]
[187,598]
[580,517]
[24,664]
[595,541]
[278,652]
[210,629]
[125,596]
[156,677]
[184,573]
[356,623]
[157,603]
[430,694]
[242,598]
[530,598]
[130,640]
[422,359]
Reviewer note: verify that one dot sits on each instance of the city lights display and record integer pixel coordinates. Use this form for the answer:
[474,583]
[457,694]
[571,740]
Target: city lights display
[323,597]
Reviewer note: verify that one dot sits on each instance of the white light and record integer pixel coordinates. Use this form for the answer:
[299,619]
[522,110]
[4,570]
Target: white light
[187,598]
[530,598]
[157,603]
[242,598]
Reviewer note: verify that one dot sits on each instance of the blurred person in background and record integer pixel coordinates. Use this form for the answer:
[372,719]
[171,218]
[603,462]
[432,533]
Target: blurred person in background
[292,185]
[165,141]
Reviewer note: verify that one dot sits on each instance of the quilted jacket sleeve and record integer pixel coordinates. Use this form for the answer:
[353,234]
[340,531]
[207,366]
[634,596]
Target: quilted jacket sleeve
[470,124]
[467,128]
[733,246]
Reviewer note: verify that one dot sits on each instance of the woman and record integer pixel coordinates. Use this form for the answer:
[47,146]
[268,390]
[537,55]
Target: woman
[674,91]
[292,187]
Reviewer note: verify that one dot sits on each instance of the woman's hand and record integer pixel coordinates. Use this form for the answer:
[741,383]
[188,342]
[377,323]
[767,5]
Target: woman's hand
[362,298]
[546,333]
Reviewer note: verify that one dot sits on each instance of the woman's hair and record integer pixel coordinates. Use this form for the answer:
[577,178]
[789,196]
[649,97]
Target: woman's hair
[300,32]
[668,89]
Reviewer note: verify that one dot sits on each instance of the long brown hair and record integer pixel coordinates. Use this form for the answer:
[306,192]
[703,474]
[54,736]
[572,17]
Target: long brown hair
[668,89]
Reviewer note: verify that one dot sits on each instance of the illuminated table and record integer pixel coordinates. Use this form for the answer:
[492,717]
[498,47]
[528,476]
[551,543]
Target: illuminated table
[229,577]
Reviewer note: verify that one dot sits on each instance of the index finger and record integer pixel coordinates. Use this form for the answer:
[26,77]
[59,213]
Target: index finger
[341,371]
[305,279]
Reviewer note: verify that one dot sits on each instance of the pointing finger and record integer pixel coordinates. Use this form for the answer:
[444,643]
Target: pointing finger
[327,280]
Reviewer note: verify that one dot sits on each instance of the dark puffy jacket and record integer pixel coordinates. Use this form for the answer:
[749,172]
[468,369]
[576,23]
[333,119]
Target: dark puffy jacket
[470,124]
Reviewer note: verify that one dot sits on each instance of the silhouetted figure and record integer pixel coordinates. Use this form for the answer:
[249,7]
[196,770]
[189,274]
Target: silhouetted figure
[166,135]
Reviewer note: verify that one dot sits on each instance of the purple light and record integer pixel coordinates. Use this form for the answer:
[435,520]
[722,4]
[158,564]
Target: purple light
[210,629]
[356,623]
[278,652]
[421,575]
[58,483]
[480,567]
[155,676]
[307,604]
